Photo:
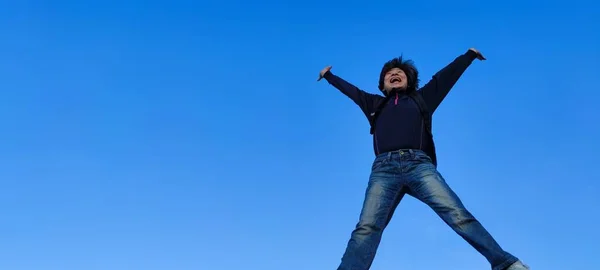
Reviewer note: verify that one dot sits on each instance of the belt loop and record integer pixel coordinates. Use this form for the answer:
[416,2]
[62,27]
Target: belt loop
[412,153]
[389,156]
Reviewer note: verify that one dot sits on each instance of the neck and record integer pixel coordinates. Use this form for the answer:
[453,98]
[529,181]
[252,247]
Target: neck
[396,91]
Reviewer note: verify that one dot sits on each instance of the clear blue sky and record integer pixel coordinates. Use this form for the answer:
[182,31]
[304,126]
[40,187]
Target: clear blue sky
[180,136]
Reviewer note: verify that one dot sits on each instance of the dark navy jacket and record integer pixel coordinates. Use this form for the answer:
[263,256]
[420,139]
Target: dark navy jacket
[400,124]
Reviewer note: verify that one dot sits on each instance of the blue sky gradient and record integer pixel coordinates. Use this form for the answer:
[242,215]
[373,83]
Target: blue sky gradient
[193,135]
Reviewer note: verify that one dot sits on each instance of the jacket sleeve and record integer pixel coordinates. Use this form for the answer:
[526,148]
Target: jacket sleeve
[366,101]
[438,87]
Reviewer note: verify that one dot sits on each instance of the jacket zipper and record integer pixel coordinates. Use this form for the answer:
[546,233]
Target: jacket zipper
[421,142]
[376,144]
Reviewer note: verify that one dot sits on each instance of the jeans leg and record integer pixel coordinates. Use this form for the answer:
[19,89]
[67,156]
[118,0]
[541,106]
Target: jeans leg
[427,185]
[383,194]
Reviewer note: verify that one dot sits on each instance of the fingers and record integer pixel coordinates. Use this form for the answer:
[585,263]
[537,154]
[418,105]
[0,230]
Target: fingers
[323,71]
[479,55]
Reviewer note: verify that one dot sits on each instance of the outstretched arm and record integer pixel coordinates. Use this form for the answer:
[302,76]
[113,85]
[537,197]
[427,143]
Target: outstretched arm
[438,87]
[366,101]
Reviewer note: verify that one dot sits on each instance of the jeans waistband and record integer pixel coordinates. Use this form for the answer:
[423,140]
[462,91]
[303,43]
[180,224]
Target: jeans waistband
[401,153]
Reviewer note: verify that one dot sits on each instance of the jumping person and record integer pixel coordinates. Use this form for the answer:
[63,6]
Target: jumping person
[405,161]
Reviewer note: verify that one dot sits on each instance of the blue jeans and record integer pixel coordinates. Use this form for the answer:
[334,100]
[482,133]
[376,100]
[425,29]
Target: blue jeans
[401,172]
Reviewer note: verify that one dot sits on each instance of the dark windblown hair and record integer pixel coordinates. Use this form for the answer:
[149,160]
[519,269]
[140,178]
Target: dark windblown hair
[408,66]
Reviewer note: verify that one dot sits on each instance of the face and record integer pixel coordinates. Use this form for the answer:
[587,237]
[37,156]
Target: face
[395,79]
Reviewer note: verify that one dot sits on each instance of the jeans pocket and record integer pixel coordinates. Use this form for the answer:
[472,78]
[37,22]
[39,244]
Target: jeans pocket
[423,158]
[378,163]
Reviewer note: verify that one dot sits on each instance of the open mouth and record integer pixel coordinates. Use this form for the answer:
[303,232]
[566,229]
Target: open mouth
[395,80]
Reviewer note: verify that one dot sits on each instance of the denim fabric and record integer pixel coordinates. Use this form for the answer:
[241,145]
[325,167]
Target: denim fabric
[411,172]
